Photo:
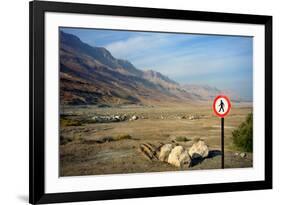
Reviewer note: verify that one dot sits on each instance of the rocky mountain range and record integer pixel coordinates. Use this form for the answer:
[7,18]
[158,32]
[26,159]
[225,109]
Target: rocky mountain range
[91,75]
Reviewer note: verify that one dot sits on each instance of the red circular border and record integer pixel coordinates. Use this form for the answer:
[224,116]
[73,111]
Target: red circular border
[214,106]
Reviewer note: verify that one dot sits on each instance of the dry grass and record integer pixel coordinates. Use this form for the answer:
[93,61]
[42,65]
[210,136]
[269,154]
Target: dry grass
[106,148]
[64,140]
[196,139]
[122,137]
[64,122]
[182,139]
[115,138]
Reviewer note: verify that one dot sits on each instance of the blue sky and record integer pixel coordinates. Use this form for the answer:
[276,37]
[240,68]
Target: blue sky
[221,61]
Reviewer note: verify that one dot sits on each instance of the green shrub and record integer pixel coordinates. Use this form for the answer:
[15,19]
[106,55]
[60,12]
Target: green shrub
[243,136]
[64,122]
[107,139]
[123,137]
[64,140]
[182,139]
[116,138]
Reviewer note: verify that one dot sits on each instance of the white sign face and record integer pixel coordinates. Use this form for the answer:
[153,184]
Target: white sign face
[221,106]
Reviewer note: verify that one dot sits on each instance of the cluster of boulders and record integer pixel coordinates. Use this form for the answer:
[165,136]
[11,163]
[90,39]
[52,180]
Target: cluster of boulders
[242,154]
[190,117]
[113,118]
[179,156]
[194,117]
[175,155]
[199,150]
[119,118]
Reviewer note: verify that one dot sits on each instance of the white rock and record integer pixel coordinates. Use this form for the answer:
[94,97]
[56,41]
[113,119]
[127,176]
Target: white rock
[164,152]
[243,155]
[179,156]
[117,117]
[134,117]
[199,149]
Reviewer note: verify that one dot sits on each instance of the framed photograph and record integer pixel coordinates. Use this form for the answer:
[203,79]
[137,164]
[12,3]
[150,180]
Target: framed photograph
[141,102]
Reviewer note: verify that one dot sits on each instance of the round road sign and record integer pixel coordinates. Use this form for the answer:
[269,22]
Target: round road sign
[221,106]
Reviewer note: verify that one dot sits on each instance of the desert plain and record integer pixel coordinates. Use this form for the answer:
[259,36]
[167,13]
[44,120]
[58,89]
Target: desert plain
[91,146]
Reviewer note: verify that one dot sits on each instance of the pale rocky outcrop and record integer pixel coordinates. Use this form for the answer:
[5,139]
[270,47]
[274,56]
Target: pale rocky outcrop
[179,157]
[243,155]
[193,117]
[199,150]
[105,119]
[164,152]
[134,117]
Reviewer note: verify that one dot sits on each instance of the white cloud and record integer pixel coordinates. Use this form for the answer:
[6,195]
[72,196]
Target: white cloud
[124,49]
[185,60]
[143,45]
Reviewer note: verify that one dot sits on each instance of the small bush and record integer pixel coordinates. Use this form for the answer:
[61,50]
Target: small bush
[64,140]
[116,138]
[243,136]
[123,137]
[77,137]
[64,122]
[107,139]
[182,139]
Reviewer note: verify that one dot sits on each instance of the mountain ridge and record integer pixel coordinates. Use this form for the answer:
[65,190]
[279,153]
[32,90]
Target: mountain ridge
[91,75]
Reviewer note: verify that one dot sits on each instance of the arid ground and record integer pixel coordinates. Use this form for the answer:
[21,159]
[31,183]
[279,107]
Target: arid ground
[91,147]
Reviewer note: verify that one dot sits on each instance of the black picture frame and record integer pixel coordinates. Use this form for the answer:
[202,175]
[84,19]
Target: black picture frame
[37,194]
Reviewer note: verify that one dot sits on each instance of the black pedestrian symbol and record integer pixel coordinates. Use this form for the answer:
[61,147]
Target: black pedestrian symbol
[221,105]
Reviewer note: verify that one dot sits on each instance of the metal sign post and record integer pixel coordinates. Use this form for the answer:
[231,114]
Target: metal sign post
[222,143]
[221,107]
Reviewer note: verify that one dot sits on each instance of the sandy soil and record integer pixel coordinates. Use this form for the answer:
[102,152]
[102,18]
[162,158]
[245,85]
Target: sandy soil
[83,153]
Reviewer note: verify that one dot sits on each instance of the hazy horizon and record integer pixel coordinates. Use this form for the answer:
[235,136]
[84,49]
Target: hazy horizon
[224,62]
